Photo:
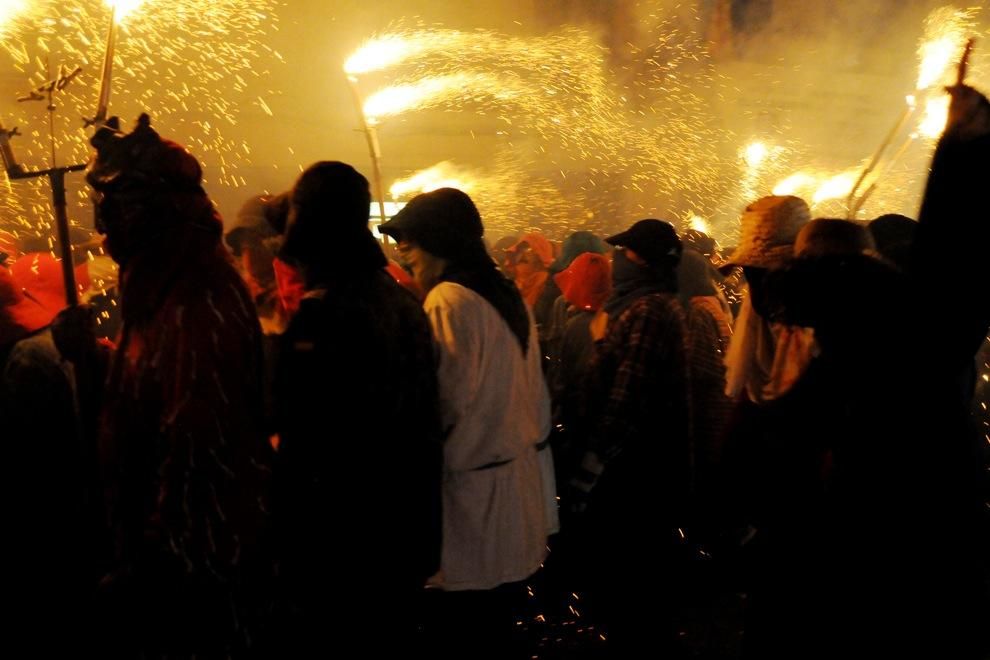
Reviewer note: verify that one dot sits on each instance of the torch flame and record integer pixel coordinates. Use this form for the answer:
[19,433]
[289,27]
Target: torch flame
[836,187]
[794,184]
[9,10]
[944,39]
[381,53]
[432,91]
[123,8]
[754,154]
[441,175]
[936,116]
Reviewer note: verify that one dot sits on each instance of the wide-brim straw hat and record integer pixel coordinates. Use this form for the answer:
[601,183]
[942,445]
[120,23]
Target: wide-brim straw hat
[768,229]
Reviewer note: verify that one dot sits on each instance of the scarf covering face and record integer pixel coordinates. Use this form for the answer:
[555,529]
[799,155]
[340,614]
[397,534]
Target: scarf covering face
[765,359]
[631,281]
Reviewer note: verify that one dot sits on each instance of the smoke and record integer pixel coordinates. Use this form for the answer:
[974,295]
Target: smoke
[681,90]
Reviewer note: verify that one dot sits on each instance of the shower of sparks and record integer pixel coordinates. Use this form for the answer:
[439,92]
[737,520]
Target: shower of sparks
[435,91]
[191,63]
[441,175]
[390,50]
[758,164]
[946,32]
[572,147]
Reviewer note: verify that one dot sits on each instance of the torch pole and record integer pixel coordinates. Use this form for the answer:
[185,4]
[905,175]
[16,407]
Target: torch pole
[851,201]
[373,149]
[103,100]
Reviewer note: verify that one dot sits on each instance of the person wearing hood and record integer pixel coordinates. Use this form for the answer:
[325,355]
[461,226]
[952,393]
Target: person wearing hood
[585,286]
[529,261]
[575,245]
[182,452]
[357,514]
[498,496]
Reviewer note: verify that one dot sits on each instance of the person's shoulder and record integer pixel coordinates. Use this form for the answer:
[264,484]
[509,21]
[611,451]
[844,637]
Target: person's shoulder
[35,349]
[657,304]
[450,294]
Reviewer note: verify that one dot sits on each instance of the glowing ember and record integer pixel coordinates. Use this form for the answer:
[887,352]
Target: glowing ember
[441,175]
[946,31]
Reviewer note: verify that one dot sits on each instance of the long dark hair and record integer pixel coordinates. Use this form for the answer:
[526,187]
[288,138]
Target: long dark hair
[474,269]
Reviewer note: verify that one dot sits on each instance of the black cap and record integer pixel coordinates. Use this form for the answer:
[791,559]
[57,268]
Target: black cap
[443,222]
[654,240]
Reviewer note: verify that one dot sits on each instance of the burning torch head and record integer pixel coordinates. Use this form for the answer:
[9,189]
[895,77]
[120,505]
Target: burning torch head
[143,186]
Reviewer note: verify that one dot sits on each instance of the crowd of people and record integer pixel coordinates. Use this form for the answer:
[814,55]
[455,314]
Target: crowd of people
[300,435]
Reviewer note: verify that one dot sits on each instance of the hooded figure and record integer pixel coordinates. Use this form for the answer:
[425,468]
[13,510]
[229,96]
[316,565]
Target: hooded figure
[498,496]
[585,285]
[344,500]
[182,445]
[530,260]
[553,327]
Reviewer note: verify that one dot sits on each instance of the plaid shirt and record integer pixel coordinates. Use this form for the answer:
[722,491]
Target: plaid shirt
[639,390]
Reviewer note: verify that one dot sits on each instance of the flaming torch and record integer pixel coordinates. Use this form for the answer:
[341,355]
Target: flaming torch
[370,58]
[441,175]
[943,42]
[119,9]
